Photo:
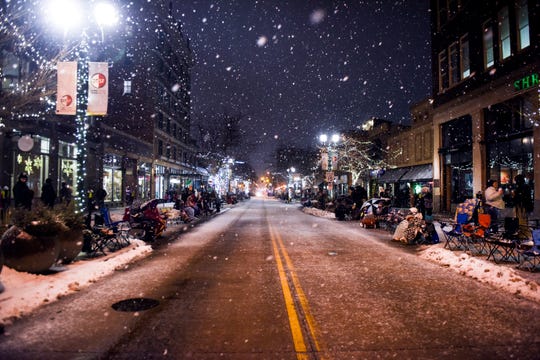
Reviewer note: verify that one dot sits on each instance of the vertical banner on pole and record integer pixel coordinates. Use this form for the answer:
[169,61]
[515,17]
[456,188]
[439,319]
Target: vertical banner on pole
[324,161]
[66,88]
[98,88]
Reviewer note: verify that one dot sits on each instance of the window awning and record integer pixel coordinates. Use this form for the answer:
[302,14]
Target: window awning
[393,175]
[419,173]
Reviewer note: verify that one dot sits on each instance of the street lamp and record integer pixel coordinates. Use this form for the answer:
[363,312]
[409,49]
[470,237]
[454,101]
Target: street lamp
[75,18]
[290,172]
[328,160]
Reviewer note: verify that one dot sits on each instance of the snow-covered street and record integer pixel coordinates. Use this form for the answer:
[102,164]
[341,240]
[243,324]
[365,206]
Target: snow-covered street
[265,268]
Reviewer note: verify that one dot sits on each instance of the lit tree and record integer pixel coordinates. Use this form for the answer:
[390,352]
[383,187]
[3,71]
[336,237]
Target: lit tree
[359,155]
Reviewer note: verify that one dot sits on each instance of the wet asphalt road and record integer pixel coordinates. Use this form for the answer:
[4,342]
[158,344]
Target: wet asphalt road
[266,281]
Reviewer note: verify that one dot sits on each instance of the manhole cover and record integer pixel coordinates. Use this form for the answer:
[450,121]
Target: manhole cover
[137,304]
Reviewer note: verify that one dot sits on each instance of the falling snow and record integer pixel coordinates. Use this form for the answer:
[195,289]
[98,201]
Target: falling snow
[300,69]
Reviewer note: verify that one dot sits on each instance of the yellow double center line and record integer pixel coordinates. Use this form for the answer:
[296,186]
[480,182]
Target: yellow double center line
[296,303]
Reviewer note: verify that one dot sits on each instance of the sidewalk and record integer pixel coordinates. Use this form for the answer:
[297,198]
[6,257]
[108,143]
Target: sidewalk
[24,292]
[502,276]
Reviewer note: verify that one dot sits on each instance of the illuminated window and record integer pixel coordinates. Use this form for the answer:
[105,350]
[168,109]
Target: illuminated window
[522,15]
[127,87]
[465,60]
[488,46]
[504,34]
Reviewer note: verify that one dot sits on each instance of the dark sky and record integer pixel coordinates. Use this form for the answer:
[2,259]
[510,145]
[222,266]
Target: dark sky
[299,68]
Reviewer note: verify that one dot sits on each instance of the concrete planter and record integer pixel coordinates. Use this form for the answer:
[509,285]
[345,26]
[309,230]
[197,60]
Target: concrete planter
[27,253]
[71,243]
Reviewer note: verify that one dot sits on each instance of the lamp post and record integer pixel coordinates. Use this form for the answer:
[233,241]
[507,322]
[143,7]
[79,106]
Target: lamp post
[328,159]
[290,172]
[81,18]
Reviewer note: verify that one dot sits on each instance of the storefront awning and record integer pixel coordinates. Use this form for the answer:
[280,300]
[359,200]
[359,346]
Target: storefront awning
[393,175]
[419,173]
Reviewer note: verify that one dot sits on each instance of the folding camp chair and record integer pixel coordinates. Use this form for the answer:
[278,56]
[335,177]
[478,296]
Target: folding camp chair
[504,247]
[116,232]
[455,237]
[477,239]
[530,259]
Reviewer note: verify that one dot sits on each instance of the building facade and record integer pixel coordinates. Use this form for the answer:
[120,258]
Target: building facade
[485,92]
[142,146]
[409,157]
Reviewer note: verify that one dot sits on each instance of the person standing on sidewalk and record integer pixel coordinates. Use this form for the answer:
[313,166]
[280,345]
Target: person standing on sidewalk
[494,202]
[48,194]
[22,194]
[522,197]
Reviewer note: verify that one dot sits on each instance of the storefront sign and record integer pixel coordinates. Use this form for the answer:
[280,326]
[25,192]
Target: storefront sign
[526,82]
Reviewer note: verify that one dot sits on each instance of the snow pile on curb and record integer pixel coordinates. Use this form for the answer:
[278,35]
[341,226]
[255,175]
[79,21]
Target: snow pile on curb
[25,292]
[499,276]
[318,212]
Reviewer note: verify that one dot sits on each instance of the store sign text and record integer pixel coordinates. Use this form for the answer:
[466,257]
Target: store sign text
[527,82]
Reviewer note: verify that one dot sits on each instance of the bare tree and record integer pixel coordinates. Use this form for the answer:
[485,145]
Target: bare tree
[32,73]
[220,138]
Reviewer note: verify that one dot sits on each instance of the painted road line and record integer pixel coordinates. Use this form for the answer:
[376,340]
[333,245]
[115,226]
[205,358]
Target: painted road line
[294,322]
[300,307]
[312,326]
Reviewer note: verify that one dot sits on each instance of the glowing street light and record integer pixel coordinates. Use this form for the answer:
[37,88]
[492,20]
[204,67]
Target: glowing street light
[328,158]
[79,18]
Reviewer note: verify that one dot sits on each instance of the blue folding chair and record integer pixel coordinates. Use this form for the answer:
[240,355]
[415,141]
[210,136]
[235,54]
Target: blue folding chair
[455,237]
[119,229]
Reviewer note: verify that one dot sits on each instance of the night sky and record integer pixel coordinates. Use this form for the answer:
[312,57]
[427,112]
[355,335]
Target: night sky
[301,68]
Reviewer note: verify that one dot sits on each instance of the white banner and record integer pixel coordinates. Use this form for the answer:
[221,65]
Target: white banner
[66,88]
[98,88]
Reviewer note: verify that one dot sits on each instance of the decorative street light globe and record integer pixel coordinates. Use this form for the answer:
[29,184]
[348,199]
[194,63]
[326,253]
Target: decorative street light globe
[77,18]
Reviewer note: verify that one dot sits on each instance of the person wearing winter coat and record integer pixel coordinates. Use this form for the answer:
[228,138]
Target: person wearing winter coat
[410,230]
[65,194]
[494,201]
[48,194]
[22,195]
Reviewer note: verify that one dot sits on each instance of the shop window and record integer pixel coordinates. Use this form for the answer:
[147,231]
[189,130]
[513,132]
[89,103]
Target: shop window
[487,37]
[522,20]
[457,133]
[44,145]
[509,118]
[504,34]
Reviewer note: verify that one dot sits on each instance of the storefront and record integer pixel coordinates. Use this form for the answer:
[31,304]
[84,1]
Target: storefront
[509,141]
[112,177]
[32,156]
[416,178]
[144,176]
[456,161]
[67,163]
